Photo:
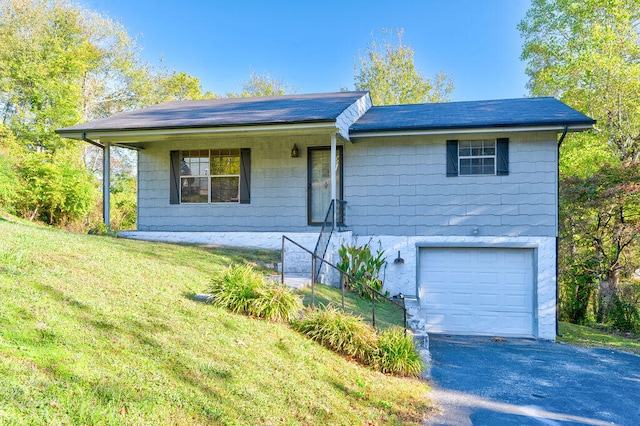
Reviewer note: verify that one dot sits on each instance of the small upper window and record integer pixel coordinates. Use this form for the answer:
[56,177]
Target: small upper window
[477,157]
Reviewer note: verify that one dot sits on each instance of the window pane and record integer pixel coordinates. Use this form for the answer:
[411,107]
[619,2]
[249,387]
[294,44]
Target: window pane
[489,166]
[225,162]
[465,167]
[194,190]
[225,189]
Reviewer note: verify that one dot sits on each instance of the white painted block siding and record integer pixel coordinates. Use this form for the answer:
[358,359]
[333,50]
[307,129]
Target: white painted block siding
[398,186]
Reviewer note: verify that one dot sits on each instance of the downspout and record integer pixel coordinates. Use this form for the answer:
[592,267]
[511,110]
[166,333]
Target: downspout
[106,179]
[564,134]
[86,139]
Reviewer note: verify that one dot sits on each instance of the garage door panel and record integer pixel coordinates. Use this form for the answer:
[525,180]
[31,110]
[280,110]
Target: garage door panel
[477,290]
[460,300]
[488,301]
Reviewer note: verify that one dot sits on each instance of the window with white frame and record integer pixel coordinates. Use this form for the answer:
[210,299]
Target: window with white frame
[477,157]
[210,176]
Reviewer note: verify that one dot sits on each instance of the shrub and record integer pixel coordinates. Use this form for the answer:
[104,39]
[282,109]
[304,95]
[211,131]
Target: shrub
[8,184]
[340,332]
[243,290]
[276,302]
[361,263]
[624,316]
[397,353]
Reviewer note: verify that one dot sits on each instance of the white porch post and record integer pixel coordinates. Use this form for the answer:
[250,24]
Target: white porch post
[106,184]
[334,172]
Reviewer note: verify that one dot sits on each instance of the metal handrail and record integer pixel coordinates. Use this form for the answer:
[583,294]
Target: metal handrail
[374,292]
[330,214]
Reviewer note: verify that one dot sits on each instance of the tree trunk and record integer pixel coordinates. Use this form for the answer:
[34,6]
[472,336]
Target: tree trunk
[608,294]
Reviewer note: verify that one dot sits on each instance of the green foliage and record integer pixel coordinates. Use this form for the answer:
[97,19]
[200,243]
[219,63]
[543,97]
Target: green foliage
[8,184]
[389,74]
[587,54]
[397,353]
[340,332]
[578,284]
[61,64]
[263,85]
[390,352]
[8,177]
[243,290]
[362,264]
[53,189]
[599,230]
[123,202]
[624,316]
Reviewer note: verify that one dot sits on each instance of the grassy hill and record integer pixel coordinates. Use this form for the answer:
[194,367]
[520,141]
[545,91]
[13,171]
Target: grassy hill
[97,330]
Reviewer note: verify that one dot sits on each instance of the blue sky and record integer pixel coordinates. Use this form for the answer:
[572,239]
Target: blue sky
[313,45]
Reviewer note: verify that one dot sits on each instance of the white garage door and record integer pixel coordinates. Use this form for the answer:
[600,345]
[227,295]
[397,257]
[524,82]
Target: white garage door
[477,291]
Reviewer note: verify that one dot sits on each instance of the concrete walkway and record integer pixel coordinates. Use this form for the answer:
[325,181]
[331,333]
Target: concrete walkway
[480,381]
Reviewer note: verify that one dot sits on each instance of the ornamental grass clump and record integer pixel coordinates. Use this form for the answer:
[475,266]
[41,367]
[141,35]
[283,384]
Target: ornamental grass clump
[397,353]
[340,332]
[243,290]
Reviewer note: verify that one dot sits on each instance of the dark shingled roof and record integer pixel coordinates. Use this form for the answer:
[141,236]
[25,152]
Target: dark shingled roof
[289,109]
[523,112]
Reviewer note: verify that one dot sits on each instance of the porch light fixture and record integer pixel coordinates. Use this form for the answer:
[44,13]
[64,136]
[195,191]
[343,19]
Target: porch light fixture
[294,151]
[399,260]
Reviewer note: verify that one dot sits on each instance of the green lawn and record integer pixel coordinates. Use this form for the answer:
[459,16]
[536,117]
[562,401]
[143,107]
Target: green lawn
[97,330]
[580,335]
[387,314]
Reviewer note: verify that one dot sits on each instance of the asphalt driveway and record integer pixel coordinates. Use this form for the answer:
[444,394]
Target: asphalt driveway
[479,381]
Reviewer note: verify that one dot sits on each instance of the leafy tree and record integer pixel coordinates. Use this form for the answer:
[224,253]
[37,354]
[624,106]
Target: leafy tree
[262,85]
[602,227]
[61,64]
[587,54]
[8,176]
[389,74]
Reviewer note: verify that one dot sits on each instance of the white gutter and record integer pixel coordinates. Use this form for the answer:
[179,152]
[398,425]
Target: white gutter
[473,130]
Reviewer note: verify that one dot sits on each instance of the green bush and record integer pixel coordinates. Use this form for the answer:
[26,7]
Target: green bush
[364,265]
[397,353]
[243,290]
[8,184]
[340,332]
[54,190]
[624,316]
[390,352]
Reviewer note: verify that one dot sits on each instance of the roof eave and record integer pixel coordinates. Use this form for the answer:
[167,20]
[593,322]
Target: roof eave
[576,127]
[161,133]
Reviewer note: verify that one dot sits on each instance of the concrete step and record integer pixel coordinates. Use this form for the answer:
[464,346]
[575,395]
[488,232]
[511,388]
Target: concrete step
[293,280]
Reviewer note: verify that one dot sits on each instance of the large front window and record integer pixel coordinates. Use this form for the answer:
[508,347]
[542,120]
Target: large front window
[210,176]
